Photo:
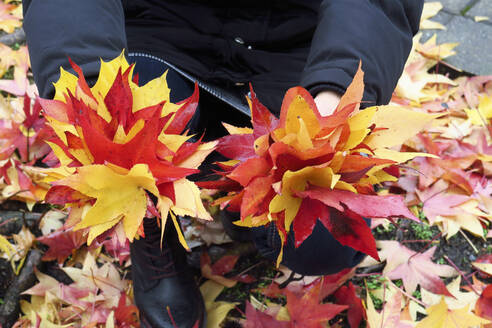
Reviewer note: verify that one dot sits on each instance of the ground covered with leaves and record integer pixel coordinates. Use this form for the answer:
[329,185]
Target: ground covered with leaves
[436,273]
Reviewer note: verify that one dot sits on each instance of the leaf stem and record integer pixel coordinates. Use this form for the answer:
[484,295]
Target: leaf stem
[461,274]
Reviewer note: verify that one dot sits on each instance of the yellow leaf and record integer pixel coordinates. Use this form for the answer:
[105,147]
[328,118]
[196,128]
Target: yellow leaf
[400,124]
[481,115]
[216,311]
[299,109]
[152,93]
[117,196]
[121,137]
[60,128]
[485,267]
[231,129]
[98,229]
[430,9]
[399,157]
[363,119]
[181,237]
[303,137]
[439,316]
[107,74]
[252,221]
[6,247]
[197,158]
[188,201]
[173,141]
[110,320]
[60,154]
[297,181]
[67,81]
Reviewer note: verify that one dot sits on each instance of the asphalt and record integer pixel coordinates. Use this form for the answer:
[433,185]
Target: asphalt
[468,22]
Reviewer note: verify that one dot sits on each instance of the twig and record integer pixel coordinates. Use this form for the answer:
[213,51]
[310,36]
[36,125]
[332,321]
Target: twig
[426,245]
[416,241]
[408,295]
[368,274]
[461,274]
[239,310]
[249,269]
[469,241]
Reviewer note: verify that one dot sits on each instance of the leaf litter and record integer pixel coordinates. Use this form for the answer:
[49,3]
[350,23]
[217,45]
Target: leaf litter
[432,274]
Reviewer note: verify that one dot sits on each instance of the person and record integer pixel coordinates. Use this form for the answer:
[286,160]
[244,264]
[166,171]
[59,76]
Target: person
[274,44]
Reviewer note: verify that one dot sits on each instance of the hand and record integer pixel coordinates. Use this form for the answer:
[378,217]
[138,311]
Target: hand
[327,101]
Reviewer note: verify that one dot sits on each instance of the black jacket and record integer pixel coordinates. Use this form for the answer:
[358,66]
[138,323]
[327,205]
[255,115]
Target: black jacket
[275,44]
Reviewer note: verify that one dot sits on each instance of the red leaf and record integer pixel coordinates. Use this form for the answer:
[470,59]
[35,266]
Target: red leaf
[483,307]
[370,206]
[61,195]
[62,243]
[184,114]
[308,311]
[350,229]
[186,150]
[331,283]
[251,168]
[126,316]
[132,152]
[306,218]
[354,163]
[259,192]
[237,146]
[263,120]
[225,185]
[346,295]
[258,319]
[225,264]
[119,99]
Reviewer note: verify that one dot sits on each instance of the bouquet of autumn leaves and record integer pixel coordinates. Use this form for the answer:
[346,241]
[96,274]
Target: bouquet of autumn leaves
[303,167]
[118,143]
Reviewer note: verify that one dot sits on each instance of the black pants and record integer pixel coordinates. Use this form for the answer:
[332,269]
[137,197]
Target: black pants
[319,254]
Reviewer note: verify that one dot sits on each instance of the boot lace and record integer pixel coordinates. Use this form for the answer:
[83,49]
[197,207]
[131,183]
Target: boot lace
[160,258]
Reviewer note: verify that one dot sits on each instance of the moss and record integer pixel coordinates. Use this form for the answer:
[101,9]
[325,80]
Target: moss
[422,231]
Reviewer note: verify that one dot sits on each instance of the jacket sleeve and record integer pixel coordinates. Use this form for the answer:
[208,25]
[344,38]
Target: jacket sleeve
[84,30]
[377,32]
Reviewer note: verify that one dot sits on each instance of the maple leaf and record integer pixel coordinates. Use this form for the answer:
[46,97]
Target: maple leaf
[101,130]
[62,243]
[118,197]
[440,316]
[293,169]
[307,311]
[414,268]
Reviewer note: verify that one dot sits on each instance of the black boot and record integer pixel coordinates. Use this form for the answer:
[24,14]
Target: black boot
[165,290]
